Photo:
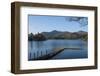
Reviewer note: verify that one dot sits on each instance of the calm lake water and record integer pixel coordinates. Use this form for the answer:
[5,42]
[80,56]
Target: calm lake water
[41,48]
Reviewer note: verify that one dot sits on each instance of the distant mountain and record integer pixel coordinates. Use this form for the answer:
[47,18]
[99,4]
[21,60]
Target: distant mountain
[81,32]
[64,35]
[51,34]
[58,35]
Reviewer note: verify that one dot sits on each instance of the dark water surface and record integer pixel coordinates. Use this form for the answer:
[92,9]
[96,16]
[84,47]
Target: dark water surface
[41,48]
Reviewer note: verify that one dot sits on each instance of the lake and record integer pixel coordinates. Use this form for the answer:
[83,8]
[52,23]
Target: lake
[41,48]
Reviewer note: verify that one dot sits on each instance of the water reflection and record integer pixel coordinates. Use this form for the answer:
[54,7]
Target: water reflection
[39,48]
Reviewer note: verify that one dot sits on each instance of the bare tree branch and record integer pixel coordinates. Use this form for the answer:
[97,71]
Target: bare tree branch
[83,21]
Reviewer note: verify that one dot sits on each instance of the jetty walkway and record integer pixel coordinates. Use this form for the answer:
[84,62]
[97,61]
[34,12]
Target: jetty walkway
[54,53]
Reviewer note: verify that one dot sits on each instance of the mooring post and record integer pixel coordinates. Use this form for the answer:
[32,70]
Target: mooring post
[34,55]
[30,55]
[41,53]
[46,52]
[37,54]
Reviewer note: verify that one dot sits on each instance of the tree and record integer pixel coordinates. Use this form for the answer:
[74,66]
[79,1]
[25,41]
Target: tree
[30,36]
[36,37]
[83,21]
[39,37]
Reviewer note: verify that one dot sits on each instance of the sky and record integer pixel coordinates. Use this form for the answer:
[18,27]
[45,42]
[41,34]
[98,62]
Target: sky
[40,23]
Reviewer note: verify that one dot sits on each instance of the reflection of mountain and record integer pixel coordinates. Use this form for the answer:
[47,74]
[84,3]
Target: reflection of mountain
[59,35]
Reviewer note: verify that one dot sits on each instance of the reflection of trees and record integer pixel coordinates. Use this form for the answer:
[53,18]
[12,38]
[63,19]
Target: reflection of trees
[31,44]
[38,45]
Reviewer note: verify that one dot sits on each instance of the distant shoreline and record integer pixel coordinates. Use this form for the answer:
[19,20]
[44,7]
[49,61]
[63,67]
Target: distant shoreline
[58,35]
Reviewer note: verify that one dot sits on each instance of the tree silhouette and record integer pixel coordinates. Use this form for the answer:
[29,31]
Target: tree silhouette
[36,37]
[30,36]
[83,21]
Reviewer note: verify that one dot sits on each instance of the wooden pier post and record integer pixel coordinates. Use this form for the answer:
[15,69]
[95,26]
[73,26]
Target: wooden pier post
[46,52]
[37,54]
[34,55]
[41,53]
[30,55]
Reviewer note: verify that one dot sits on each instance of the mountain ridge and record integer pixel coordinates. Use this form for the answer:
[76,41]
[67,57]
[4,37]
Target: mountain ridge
[64,35]
[58,35]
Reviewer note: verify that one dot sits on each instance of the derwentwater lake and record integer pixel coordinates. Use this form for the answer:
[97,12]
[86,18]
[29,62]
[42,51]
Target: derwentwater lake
[37,49]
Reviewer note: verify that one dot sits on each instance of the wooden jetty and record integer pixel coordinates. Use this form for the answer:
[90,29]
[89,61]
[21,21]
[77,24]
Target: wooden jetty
[54,53]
